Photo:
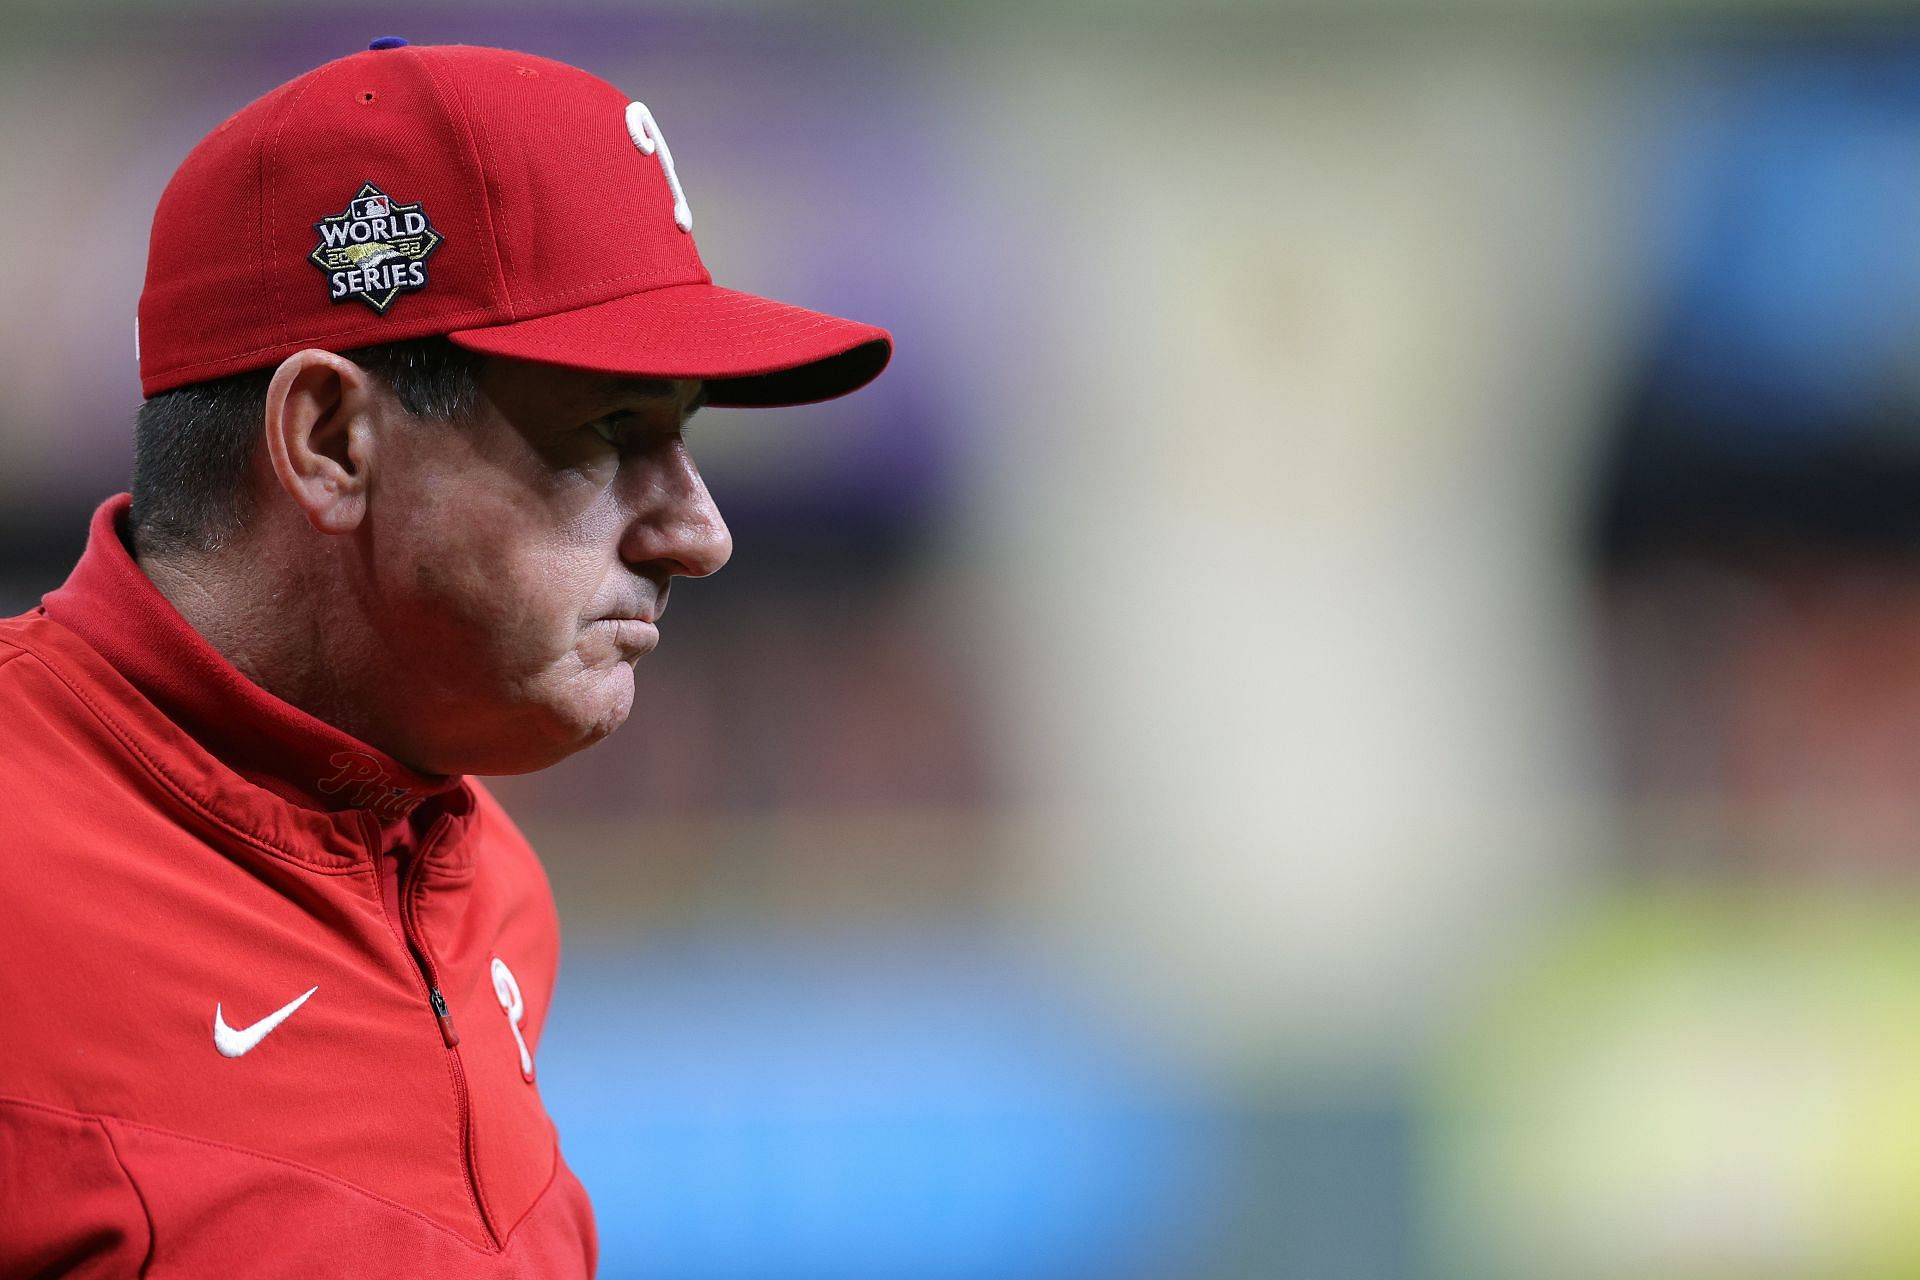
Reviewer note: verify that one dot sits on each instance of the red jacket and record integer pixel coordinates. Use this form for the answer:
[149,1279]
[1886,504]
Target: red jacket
[270,997]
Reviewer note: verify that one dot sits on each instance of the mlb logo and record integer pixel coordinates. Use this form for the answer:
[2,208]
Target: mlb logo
[372,251]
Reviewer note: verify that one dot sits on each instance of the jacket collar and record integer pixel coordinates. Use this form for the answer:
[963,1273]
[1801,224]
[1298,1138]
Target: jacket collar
[110,604]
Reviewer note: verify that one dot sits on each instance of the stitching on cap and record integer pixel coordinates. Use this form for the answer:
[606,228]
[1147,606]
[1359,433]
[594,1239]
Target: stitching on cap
[480,239]
[274,310]
[452,322]
[792,335]
[592,284]
[794,341]
[258,248]
[777,328]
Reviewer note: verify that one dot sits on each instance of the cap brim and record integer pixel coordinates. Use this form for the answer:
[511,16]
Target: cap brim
[751,352]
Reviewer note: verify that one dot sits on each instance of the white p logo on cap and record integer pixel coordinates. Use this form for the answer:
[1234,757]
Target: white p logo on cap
[646,135]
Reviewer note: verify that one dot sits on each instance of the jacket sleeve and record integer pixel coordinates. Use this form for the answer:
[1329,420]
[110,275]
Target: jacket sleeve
[67,1206]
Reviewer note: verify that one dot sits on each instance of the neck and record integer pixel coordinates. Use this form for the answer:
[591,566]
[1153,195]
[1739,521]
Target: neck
[281,628]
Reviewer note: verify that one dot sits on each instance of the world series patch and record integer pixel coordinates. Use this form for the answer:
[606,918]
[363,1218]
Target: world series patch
[375,249]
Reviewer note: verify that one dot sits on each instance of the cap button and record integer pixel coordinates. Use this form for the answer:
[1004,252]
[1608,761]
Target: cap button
[388,42]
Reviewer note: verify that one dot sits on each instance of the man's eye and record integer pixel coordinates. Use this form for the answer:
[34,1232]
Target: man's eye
[612,428]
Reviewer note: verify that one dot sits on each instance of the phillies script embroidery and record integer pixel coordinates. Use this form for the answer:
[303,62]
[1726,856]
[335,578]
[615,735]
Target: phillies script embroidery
[363,782]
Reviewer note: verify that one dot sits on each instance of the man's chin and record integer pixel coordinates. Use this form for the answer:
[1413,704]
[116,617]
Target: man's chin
[556,730]
[582,726]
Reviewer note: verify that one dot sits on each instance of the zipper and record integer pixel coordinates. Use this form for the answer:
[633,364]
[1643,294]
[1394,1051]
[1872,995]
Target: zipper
[445,1019]
[408,893]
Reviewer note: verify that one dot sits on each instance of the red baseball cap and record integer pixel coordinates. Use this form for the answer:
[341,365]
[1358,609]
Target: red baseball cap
[517,205]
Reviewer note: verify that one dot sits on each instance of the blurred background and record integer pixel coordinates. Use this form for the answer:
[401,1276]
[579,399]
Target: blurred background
[1349,707]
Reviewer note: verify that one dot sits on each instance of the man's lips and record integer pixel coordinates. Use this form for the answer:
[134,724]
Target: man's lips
[636,636]
[634,624]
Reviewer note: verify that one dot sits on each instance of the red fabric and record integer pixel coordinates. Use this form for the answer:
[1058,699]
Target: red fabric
[696,331]
[157,875]
[109,603]
[542,204]
[60,1171]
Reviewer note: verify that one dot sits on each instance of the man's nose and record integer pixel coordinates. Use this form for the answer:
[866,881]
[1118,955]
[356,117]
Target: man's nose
[706,542]
[679,522]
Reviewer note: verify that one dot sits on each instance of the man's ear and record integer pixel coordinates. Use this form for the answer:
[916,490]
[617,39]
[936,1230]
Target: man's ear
[320,437]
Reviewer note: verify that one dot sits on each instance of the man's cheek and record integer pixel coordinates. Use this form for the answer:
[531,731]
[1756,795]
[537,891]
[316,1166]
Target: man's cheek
[533,619]
[481,585]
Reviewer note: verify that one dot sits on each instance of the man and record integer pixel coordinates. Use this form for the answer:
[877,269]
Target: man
[419,335]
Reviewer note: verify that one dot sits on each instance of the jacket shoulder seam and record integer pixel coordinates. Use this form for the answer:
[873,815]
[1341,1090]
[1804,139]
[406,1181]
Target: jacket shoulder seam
[133,1184]
[178,789]
[553,1176]
[105,1120]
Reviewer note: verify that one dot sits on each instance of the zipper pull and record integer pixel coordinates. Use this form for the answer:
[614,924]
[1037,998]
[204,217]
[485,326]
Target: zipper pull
[445,1019]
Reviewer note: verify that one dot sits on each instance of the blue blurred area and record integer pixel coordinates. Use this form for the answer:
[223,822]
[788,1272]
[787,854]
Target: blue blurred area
[1787,190]
[744,1105]
[1772,401]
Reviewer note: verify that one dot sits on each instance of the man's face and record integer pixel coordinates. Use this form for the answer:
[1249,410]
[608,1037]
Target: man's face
[520,561]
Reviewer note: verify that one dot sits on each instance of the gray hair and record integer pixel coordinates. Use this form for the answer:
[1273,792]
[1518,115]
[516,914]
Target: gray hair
[193,446]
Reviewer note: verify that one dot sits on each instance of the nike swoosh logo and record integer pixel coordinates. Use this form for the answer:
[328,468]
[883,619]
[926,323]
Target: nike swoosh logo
[233,1043]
